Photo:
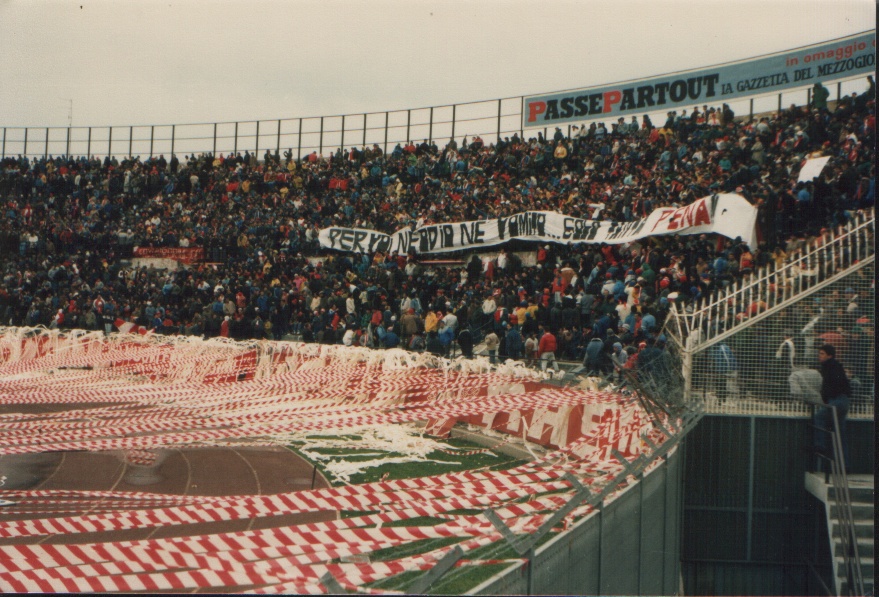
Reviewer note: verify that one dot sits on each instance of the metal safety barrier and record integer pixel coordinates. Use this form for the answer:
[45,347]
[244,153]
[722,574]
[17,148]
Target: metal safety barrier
[752,349]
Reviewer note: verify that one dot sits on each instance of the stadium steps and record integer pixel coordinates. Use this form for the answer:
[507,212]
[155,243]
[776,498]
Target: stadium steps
[850,248]
[862,495]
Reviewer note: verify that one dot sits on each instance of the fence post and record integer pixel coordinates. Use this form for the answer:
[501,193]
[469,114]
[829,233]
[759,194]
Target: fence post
[330,582]
[839,91]
[808,97]
[430,128]
[529,556]
[256,142]
[25,141]
[152,137]
[779,102]
[364,131]
[342,139]
[235,146]
[424,582]
[88,148]
[499,104]
[46,148]
[299,142]
[4,141]
[278,146]
[386,133]
[130,140]
[687,367]
[66,147]
[408,123]
[214,152]
[173,137]
[750,508]
[751,113]
[109,142]
[454,106]
[522,118]
[321,142]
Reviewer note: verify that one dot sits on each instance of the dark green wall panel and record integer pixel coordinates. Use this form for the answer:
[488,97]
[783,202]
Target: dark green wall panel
[748,522]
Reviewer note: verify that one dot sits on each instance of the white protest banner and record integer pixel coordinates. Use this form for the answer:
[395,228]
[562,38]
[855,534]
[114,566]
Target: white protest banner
[727,214]
[354,240]
[812,168]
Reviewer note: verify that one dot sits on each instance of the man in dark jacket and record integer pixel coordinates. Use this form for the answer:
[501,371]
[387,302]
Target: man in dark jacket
[465,341]
[434,346]
[835,392]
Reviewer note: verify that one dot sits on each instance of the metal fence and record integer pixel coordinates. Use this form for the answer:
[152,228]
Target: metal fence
[630,545]
[753,348]
[490,119]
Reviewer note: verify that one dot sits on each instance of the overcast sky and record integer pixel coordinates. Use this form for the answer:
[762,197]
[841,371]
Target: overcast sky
[135,62]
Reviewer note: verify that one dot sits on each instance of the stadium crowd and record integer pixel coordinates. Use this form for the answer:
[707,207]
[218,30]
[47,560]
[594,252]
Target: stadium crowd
[69,223]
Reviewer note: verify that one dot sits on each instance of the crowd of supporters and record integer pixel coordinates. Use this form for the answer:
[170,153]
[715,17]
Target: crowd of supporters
[69,225]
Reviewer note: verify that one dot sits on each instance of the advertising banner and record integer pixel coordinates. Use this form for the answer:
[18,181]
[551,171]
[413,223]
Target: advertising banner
[727,214]
[186,255]
[840,59]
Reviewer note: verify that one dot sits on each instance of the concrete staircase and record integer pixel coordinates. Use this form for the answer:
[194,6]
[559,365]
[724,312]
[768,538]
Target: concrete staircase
[861,492]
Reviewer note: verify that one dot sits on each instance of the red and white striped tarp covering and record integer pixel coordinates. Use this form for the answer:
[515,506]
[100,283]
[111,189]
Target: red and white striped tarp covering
[133,395]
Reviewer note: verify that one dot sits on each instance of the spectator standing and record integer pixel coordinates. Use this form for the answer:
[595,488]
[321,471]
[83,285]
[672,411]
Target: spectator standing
[787,352]
[465,341]
[835,393]
[409,325]
[547,348]
[514,344]
[491,343]
[594,353]
[489,306]
[531,347]
[725,371]
[619,357]
[819,96]
[451,321]
[446,335]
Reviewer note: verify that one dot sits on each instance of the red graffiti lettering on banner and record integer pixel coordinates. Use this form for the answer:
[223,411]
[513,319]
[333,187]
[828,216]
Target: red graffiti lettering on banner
[695,214]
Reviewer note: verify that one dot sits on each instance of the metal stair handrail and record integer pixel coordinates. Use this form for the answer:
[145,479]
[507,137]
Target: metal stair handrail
[845,517]
[821,259]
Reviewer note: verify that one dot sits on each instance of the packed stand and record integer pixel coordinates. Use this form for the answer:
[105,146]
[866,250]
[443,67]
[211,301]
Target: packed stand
[69,224]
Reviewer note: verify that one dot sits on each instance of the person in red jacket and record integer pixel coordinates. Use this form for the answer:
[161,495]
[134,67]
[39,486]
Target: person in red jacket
[559,285]
[546,349]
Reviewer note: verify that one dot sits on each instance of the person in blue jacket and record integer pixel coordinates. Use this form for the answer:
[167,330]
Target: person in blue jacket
[724,370]
[391,339]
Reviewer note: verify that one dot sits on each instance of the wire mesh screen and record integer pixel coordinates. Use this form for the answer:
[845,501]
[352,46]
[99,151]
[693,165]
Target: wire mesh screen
[771,365]
[659,382]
